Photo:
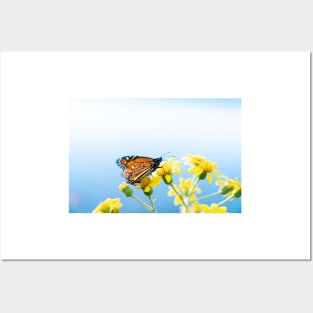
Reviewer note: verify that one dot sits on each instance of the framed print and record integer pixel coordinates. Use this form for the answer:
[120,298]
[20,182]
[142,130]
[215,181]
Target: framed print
[177,182]
[161,133]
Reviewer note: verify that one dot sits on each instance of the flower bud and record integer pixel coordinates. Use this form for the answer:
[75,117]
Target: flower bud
[202,175]
[238,193]
[126,189]
[226,189]
[167,179]
[148,191]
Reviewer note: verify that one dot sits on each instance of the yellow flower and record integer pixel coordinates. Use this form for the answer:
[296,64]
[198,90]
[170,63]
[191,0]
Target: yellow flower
[200,166]
[204,208]
[193,159]
[217,209]
[230,188]
[168,168]
[184,189]
[147,183]
[198,208]
[108,206]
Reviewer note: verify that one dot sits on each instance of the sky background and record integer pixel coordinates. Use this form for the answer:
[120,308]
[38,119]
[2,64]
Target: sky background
[103,130]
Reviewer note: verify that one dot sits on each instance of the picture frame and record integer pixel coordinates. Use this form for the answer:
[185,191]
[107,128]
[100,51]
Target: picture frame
[274,88]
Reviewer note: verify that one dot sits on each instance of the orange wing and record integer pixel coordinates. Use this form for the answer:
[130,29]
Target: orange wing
[137,167]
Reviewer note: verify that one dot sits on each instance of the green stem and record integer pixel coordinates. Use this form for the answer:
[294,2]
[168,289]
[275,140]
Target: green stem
[225,200]
[208,196]
[152,205]
[181,198]
[195,184]
[148,207]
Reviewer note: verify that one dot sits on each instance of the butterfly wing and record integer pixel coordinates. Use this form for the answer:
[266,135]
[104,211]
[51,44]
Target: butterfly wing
[137,172]
[137,167]
[123,161]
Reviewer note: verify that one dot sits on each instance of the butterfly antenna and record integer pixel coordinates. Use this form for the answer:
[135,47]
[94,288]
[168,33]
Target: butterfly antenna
[166,153]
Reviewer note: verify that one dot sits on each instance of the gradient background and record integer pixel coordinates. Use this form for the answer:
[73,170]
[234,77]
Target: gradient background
[103,130]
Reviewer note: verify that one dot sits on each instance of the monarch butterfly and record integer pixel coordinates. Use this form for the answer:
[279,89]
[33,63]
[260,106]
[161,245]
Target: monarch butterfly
[135,168]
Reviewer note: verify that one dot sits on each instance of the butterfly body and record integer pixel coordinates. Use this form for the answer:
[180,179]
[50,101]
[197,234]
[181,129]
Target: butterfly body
[135,168]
